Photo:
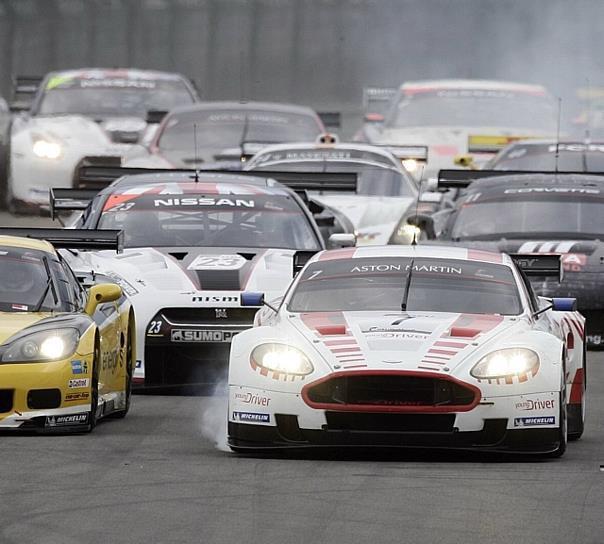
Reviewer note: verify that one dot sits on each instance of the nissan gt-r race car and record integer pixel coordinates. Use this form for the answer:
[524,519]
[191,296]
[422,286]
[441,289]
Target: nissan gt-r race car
[384,190]
[544,155]
[411,346]
[84,112]
[66,355]
[459,117]
[543,213]
[229,132]
[194,244]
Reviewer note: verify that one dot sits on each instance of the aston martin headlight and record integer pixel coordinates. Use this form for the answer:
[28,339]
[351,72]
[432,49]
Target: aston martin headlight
[51,345]
[282,358]
[46,149]
[506,363]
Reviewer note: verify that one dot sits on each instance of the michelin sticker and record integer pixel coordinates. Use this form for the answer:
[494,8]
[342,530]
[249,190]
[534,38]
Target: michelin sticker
[534,421]
[251,417]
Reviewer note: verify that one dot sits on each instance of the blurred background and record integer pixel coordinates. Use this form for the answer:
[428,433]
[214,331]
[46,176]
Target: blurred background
[315,52]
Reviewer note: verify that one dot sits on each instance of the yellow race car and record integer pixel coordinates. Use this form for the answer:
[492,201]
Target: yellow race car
[67,353]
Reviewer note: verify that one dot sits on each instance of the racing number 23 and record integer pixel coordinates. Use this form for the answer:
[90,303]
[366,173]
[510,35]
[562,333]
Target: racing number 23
[154,327]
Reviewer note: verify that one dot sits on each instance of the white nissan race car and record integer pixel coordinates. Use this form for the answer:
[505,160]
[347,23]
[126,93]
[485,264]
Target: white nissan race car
[411,347]
[193,245]
[78,113]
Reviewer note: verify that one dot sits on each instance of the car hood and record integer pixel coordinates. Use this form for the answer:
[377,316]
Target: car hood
[182,270]
[74,131]
[374,217]
[411,341]
[13,322]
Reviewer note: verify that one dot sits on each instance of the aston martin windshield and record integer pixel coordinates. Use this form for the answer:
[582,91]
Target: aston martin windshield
[551,217]
[113,97]
[202,219]
[469,107]
[379,284]
[220,130]
[372,180]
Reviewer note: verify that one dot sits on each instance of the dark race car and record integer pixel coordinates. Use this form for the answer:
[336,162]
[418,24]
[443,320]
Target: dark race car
[211,132]
[537,214]
[565,156]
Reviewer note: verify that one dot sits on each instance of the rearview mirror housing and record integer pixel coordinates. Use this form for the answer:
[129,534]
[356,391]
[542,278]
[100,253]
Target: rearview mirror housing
[341,239]
[252,298]
[560,304]
[100,293]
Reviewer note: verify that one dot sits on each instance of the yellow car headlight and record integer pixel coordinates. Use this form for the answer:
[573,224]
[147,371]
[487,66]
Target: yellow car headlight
[41,346]
[282,358]
[505,363]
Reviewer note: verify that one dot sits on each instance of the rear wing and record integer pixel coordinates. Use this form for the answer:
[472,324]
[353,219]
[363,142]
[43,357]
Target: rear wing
[417,152]
[69,200]
[97,176]
[536,264]
[71,238]
[24,90]
[460,179]
[331,119]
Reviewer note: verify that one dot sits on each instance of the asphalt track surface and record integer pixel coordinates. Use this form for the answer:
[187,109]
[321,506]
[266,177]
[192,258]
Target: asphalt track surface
[159,477]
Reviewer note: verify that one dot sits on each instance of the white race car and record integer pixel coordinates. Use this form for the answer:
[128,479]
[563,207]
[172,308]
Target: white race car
[84,112]
[384,189]
[458,117]
[192,249]
[410,347]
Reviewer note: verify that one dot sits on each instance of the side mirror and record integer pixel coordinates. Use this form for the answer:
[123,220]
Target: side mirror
[373,118]
[423,222]
[252,299]
[155,116]
[340,240]
[465,161]
[325,220]
[103,292]
[564,304]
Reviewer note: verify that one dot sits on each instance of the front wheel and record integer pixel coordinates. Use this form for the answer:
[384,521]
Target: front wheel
[94,388]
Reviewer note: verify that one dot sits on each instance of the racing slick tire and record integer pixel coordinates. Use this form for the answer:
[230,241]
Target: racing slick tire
[576,412]
[119,414]
[94,386]
[563,428]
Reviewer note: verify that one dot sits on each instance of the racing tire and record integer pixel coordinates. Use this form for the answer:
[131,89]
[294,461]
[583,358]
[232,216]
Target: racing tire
[94,387]
[576,412]
[563,428]
[119,414]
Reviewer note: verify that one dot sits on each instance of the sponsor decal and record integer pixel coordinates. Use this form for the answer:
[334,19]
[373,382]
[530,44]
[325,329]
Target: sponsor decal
[79,367]
[563,190]
[188,335]
[534,421]
[138,364]
[573,262]
[72,397]
[531,405]
[595,339]
[64,421]
[78,382]
[253,417]
[213,299]
[20,307]
[217,262]
[109,360]
[204,201]
[252,398]
[400,267]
